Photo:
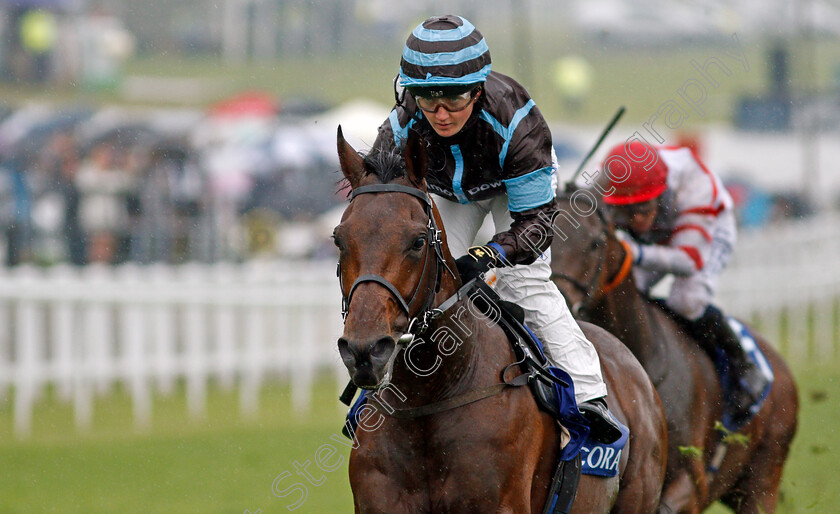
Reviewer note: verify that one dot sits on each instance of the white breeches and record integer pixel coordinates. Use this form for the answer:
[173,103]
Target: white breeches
[530,287]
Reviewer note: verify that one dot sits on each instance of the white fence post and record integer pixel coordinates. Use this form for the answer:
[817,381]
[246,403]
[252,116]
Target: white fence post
[253,349]
[98,328]
[224,326]
[28,349]
[133,339]
[63,328]
[7,368]
[163,328]
[195,339]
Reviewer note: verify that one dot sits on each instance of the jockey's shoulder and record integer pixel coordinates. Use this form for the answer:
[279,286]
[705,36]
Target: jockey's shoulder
[504,96]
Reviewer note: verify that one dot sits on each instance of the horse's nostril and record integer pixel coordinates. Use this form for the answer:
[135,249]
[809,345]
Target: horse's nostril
[382,348]
[344,350]
[358,354]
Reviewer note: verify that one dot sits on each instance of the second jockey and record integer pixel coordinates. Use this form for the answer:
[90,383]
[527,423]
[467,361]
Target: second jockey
[678,219]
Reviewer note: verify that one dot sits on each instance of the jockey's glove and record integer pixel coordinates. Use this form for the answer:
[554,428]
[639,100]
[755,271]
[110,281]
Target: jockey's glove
[478,261]
[632,244]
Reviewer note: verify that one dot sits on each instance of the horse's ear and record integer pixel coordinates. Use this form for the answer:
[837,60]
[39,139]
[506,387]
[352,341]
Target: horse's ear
[416,158]
[352,164]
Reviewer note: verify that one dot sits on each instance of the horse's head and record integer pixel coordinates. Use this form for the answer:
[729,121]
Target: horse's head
[588,260]
[392,257]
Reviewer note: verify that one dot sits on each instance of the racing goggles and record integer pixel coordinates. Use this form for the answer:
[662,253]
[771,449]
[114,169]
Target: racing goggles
[451,103]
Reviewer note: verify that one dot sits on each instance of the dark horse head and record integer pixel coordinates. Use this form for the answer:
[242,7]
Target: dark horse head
[391,257]
[587,257]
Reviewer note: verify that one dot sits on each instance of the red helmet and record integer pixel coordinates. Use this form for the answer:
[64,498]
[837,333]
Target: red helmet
[636,172]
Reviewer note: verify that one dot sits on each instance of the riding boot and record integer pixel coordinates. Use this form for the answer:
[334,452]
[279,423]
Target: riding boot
[712,330]
[603,429]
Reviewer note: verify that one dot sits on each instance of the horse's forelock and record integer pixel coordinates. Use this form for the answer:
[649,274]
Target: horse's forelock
[386,165]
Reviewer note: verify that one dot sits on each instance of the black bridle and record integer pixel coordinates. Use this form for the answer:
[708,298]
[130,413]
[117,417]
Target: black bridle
[419,321]
[588,289]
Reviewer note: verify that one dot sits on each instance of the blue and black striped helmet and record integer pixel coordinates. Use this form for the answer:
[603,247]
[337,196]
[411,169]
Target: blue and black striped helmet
[444,51]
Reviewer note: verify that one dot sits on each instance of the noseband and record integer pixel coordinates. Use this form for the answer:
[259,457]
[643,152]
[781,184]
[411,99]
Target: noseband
[420,320]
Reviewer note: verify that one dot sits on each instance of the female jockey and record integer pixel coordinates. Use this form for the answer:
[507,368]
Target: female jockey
[490,152]
[678,219]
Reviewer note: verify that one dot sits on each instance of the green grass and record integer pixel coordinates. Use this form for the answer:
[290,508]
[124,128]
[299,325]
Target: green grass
[810,480]
[223,463]
[218,464]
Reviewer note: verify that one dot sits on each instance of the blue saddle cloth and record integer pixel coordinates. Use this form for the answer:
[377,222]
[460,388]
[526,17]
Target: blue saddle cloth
[596,459]
[721,363]
[603,459]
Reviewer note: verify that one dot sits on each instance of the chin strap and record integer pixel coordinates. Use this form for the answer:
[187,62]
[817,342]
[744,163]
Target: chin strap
[399,91]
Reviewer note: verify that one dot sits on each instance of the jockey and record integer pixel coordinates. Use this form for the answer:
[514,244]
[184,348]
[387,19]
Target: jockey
[678,219]
[490,153]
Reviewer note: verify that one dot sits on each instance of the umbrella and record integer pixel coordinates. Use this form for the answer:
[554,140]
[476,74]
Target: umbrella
[33,141]
[252,104]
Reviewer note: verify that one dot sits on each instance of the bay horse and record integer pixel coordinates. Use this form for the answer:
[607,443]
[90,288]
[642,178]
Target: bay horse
[594,271]
[460,451]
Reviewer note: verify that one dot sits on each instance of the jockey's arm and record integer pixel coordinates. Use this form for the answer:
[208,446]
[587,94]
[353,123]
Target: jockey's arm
[529,235]
[686,251]
[698,204]
[530,184]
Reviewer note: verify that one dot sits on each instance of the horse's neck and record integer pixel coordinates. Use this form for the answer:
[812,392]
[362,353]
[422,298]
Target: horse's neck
[443,361]
[626,314]
[632,320]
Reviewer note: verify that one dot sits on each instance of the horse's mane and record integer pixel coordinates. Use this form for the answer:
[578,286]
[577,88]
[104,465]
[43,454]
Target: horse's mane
[385,164]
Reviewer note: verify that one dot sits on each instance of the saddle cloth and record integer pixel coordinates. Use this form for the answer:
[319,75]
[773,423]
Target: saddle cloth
[603,459]
[721,365]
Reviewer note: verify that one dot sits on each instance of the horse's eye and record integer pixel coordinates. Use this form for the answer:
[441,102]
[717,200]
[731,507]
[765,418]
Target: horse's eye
[419,243]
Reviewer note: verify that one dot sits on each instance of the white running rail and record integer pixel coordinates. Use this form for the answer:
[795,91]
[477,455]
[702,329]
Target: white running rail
[83,330]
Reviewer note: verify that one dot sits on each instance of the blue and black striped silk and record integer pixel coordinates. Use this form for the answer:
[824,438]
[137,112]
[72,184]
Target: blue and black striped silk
[444,51]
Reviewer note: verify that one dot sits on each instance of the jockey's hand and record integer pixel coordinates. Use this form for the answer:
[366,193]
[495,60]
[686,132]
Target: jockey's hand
[477,261]
[632,244]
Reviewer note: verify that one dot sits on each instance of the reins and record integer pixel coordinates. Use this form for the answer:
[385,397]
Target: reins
[536,372]
[626,266]
[454,402]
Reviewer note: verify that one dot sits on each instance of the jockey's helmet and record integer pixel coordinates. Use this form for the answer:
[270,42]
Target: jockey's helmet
[637,173]
[443,57]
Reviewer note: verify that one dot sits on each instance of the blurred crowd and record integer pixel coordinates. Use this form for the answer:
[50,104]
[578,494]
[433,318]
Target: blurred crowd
[248,177]
[116,185]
